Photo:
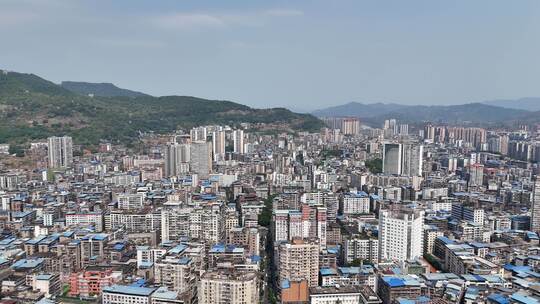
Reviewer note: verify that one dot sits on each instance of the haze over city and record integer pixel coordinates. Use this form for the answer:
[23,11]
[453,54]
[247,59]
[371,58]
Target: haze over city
[303,55]
[269,152]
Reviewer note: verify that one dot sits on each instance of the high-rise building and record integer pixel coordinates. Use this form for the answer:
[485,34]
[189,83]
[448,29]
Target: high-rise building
[392,154]
[60,151]
[355,203]
[435,134]
[412,159]
[535,207]
[468,213]
[130,201]
[238,141]
[205,223]
[309,223]
[281,224]
[176,157]
[218,145]
[476,175]
[320,221]
[228,287]
[474,136]
[246,237]
[403,159]
[401,234]
[391,125]
[299,260]
[198,134]
[347,125]
[178,274]
[431,233]
[504,144]
[332,122]
[201,158]
[404,129]
[175,223]
[429,133]
[365,248]
[350,126]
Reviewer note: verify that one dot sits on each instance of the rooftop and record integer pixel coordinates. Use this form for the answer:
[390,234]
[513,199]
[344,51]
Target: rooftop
[129,290]
[334,290]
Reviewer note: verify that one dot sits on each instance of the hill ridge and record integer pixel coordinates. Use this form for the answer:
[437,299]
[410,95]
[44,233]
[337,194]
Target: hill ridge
[102,89]
[34,108]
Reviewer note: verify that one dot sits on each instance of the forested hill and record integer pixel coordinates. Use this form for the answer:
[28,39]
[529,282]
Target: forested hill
[34,108]
[99,89]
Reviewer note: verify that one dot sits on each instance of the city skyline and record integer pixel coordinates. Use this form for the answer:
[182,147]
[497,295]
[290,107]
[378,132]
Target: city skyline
[160,152]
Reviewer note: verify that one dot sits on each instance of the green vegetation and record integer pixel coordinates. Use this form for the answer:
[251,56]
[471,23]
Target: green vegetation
[331,153]
[265,218]
[374,165]
[272,296]
[359,262]
[435,262]
[98,89]
[18,150]
[33,108]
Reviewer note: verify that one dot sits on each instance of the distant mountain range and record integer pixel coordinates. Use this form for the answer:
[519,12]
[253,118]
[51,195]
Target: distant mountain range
[99,89]
[33,108]
[500,112]
[527,103]
[359,109]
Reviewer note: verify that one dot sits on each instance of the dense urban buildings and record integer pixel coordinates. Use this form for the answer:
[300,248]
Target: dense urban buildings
[404,213]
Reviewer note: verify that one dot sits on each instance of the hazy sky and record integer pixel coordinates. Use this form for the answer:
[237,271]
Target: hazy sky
[299,54]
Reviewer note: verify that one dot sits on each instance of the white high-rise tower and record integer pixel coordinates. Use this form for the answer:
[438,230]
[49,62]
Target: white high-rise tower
[238,141]
[218,144]
[60,151]
[535,207]
[401,234]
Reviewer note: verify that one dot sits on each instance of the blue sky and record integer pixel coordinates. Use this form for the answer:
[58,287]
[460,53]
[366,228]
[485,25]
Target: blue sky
[299,54]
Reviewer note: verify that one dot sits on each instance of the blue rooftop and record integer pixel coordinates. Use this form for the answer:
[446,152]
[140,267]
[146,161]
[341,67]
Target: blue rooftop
[531,235]
[138,283]
[394,282]
[178,249]
[119,246]
[97,237]
[333,250]
[498,298]
[515,268]
[44,277]
[7,241]
[222,248]
[359,194]
[446,240]
[27,263]
[208,197]
[524,299]
[327,271]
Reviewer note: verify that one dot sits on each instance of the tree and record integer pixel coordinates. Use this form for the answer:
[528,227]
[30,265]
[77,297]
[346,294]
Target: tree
[265,218]
[359,262]
[374,165]
[18,150]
